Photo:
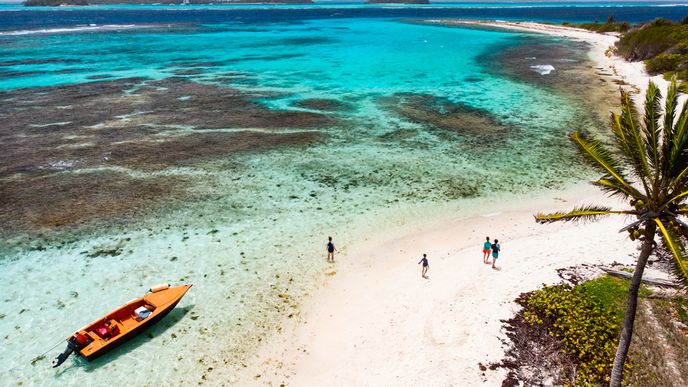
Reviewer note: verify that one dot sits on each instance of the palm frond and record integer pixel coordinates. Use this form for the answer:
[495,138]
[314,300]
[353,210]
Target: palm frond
[623,142]
[652,128]
[583,213]
[679,180]
[627,147]
[682,226]
[677,198]
[682,210]
[674,245]
[615,188]
[678,138]
[635,148]
[670,106]
[601,158]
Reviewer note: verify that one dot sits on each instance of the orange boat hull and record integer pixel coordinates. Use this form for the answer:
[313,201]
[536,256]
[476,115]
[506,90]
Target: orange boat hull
[124,323]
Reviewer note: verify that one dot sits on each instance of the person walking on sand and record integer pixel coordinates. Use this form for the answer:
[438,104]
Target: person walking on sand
[487,246]
[330,249]
[426,266]
[496,248]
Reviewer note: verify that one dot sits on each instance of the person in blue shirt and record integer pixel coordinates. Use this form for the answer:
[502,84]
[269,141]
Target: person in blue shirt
[487,246]
[330,250]
[426,266]
[495,252]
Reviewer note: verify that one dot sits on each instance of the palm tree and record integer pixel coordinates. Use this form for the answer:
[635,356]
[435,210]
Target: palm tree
[646,164]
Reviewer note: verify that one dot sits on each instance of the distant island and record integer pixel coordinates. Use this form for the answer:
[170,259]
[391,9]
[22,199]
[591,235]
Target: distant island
[57,3]
[398,2]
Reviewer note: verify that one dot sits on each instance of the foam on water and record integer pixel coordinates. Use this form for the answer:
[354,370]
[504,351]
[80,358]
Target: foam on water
[543,69]
[89,28]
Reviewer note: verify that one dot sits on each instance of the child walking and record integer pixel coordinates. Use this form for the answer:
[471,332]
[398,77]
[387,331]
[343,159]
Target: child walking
[426,266]
[495,252]
[330,249]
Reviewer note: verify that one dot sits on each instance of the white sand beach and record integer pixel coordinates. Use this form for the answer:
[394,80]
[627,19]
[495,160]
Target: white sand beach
[376,322]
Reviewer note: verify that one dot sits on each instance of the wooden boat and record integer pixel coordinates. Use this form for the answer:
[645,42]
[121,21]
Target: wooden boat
[123,323]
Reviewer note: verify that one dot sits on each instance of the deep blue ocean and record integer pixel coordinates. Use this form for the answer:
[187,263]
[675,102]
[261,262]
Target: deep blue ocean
[14,17]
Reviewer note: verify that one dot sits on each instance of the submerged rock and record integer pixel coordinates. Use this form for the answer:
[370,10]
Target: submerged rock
[440,113]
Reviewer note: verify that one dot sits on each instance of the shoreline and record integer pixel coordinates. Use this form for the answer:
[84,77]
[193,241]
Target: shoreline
[631,75]
[376,322]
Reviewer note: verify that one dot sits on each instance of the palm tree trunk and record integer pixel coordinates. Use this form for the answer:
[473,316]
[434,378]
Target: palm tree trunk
[631,306]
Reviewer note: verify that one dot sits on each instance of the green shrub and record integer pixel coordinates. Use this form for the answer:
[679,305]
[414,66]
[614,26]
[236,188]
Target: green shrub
[658,22]
[682,309]
[587,330]
[647,42]
[610,294]
[601,28]
[664,62]
[680,75]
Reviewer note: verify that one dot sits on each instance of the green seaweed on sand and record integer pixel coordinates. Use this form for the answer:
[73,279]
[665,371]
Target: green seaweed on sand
[37,359]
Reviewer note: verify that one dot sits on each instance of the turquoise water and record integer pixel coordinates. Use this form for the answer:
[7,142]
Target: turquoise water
[413,124]
[436,4]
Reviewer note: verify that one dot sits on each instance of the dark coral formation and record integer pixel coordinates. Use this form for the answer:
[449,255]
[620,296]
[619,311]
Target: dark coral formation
[188,149]
[440,113]
[63,199]
[299,41]
[519,61]
[5,74]
[38,61]
[327,105]
[53,138]
[572,78]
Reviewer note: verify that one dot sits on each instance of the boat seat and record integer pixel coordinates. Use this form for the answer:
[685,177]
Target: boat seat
[149,302]
[105,332]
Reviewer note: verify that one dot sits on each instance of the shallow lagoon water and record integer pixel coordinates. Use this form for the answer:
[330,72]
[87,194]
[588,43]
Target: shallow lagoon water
[425,127]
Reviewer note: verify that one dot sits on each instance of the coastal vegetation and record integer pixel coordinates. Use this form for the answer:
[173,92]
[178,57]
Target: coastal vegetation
[585,329]
[584,320]
[662,44]
[610,25]
[647,166]
[566,335]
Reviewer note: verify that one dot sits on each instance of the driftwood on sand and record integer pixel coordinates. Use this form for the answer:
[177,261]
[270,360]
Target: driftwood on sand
[651,281]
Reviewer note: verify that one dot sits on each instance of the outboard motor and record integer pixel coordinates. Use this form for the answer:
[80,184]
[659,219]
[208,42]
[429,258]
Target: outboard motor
[64,355]
[74,343]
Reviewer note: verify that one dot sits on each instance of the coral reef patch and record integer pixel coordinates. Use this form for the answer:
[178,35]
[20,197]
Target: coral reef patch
[55,137]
